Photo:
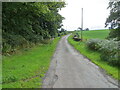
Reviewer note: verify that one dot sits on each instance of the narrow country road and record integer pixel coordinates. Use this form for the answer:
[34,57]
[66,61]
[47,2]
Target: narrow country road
[70,69]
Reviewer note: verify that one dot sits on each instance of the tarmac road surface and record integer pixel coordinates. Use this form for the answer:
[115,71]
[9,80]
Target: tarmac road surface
[70,69]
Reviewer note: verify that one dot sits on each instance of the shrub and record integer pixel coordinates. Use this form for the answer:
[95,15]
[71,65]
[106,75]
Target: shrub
[110,51]
[5,47]
[93,44]
[114,33]
[9,79]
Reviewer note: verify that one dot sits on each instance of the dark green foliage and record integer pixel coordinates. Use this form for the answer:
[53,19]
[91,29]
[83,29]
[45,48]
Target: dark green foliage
[114,16]
[62,32]
[26,23]
[9,79]
[114,33]
[114,19]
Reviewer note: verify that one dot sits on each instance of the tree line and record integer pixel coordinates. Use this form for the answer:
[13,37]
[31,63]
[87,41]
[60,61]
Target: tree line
[28,23]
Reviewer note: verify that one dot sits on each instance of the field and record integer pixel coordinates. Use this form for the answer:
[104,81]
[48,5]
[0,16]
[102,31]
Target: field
[94,56]
[102,34]
[26,69]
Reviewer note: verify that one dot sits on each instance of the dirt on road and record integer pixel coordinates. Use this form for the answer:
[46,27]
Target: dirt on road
[70,69]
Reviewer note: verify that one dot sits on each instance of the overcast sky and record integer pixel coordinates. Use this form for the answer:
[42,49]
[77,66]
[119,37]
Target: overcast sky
[95,13]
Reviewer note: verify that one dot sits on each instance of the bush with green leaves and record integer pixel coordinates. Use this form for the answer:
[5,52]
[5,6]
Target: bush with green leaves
[93,44]
[109,49]
[114,33]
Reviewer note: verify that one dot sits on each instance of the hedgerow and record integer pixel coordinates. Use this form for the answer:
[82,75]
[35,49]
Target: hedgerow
[28,23]
[109,50]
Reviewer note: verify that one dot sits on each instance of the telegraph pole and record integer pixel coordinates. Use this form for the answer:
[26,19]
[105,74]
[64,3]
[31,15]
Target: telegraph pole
[81,22]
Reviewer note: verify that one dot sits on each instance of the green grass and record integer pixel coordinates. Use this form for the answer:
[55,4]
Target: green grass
[94,56]
[26,69]
[102,34]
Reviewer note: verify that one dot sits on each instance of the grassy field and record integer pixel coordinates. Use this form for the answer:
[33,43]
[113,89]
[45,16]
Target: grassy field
[94,56]
[102,34]
[26,69]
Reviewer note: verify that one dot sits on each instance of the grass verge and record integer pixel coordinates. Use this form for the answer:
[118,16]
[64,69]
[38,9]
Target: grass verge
[26,70]
[94,56]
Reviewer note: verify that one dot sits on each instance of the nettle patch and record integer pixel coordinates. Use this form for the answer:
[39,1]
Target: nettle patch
[109,49]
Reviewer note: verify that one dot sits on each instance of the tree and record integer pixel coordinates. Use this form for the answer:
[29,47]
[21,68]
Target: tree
[26,23]
[114,17]
[62,32]
[87,29]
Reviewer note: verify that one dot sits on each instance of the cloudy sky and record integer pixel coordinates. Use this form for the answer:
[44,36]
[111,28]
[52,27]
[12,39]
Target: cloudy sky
[95,13]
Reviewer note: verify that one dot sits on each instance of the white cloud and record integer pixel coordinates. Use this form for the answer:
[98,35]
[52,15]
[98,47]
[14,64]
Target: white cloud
[95,14]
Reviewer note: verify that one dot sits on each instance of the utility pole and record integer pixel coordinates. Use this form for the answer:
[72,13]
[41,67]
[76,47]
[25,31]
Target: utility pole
[81,22]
